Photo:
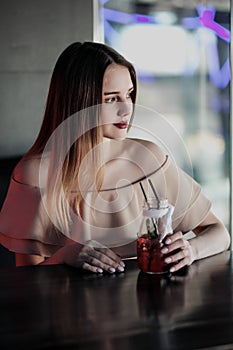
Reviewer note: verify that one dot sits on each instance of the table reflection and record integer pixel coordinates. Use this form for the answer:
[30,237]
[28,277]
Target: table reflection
[59,306]
[197,297]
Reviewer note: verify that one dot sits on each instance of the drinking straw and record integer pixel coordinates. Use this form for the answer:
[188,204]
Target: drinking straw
[144,194]
[148,204]
[155,194]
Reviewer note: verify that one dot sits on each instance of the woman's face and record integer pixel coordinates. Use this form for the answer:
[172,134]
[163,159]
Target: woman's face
[117,106]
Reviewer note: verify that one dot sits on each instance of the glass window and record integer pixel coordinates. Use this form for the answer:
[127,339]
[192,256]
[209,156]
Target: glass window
[181,53]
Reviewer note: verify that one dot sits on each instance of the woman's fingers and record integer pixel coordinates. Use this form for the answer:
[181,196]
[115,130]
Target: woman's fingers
[178,265]
[105,251]
[97,258]
[173,237]
[92,268]
[173,242]
[181,254]
[178,251]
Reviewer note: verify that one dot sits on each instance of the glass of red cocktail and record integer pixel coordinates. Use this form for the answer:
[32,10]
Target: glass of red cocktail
[150,258]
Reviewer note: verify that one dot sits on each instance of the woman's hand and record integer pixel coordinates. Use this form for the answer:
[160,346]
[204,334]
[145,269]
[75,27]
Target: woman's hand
[177,251]
[92,256]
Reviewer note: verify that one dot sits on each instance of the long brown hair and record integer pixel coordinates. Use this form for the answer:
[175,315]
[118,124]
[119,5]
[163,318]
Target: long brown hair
[76,85]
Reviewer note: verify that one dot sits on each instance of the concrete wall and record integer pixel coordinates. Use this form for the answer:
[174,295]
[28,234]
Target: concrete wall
[32,35]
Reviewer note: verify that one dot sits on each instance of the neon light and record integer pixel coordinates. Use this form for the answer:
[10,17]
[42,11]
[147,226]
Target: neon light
[103,2]
[144,19]
[220,77]
[126,18]
[118,16]
[206,19]
[109,30]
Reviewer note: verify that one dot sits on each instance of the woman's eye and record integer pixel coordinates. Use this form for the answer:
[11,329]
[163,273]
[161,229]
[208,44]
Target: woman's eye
[111,99]
[118,98]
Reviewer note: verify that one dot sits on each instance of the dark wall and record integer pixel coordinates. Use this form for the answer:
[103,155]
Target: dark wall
[32,34]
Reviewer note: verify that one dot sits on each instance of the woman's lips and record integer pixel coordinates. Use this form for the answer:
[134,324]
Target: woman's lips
[122,125]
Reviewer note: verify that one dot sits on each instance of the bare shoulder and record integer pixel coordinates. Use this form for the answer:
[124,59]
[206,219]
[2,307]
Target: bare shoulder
[149,147]
[31,171]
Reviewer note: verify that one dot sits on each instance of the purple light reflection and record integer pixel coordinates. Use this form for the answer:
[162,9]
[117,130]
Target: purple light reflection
[220,77]
[103,2]
[206,19]
[126,18]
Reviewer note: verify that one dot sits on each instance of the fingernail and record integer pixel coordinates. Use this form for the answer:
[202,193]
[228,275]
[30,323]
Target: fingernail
[172,269]
[168,241]
[111,270]
[99,270]
[168,260]
[120,268]
[164,250]
[122,263]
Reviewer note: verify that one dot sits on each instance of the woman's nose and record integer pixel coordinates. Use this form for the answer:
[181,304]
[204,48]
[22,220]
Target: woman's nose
[124,108]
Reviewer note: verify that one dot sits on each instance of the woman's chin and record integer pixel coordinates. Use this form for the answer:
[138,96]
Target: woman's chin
[118,135]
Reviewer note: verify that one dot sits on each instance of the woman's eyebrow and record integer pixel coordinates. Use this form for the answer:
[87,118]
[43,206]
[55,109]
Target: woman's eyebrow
[116,92]
[111,93]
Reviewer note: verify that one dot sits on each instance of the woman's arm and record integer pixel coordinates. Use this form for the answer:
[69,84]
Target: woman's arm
[211,238]
[92,256]
[26,259]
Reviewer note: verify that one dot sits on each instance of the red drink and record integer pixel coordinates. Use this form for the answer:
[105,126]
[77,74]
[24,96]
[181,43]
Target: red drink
[150,258]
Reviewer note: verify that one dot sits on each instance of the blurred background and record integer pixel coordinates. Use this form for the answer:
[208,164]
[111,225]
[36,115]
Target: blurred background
[180,49]
[32,34]
[181,52]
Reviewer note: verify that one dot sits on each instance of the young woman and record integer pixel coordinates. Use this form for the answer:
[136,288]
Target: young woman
[75,197]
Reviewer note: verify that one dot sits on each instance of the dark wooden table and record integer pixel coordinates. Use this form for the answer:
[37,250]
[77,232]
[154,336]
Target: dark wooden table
[57,307]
